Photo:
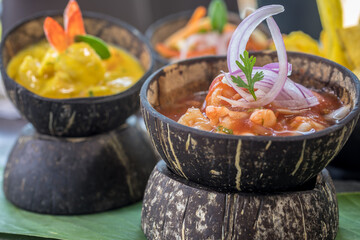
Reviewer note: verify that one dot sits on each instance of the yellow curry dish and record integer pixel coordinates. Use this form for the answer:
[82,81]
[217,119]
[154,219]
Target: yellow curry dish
[76,72]
[73,64]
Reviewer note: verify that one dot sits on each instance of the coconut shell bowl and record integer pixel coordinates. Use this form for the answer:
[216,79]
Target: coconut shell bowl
[76,117]
[79,155]
[225,182]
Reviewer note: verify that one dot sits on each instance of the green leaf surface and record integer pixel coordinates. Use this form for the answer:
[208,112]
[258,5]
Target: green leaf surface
[349,211]
[97,44]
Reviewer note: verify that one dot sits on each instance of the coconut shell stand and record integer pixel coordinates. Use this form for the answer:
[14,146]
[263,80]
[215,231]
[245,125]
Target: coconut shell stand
[220,186]
[175,208]
[56,175]
[81,155]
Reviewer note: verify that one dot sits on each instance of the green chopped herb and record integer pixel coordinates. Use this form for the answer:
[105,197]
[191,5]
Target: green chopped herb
[224,130]
[247,69]
[91,93]
[97,44]
[218,14]
[202,30]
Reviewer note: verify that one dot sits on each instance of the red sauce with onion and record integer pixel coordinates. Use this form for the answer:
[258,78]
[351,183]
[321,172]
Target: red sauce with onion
[288,122]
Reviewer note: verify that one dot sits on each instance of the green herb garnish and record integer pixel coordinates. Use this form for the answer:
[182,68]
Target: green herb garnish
[203,30]
[218,14]
[247,69]
[91,93]
[224,130]
[97,44]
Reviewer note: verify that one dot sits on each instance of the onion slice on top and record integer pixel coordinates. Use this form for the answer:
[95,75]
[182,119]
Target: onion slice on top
[275,87]
[293,95]
[242,33]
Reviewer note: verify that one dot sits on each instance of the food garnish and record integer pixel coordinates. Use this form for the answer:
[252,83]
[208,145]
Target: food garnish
[55,34]
[61,39]
[199,13]
[275,87]
[224,130]
[206,33]
[247,68]
[96,43]
[218,15]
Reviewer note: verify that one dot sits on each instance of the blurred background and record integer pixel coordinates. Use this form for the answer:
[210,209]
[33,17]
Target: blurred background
[141,13]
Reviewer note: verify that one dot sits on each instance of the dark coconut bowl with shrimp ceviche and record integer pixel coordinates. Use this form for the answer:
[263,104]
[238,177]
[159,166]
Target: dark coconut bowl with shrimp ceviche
[268,122]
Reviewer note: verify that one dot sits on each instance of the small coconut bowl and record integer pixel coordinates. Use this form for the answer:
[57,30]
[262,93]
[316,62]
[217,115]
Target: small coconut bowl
[246,163]
[164,27]
[75,117]
[174,208]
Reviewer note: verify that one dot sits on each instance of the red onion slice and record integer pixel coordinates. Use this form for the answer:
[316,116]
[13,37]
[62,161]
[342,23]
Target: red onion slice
[275,87]
[292,96]
[242,33]
[275,67]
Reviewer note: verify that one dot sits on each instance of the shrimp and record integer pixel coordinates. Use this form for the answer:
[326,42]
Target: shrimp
[305,124]
[194,118]
[215,113]
[264,117]
[217,89]
[222,116]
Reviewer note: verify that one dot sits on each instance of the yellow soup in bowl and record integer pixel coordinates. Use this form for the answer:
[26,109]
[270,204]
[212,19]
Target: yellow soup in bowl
[75,73]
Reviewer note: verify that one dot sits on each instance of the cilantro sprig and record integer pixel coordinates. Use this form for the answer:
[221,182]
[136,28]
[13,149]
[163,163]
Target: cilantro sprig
[247,68]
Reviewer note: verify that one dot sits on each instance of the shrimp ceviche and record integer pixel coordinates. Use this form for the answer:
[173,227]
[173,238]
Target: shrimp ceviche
[251,100]
[207,33]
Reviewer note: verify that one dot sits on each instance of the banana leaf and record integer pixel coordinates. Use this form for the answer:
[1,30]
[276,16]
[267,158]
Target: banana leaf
[349,211]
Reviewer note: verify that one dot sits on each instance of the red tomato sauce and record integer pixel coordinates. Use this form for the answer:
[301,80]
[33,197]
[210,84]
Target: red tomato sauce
[219,116]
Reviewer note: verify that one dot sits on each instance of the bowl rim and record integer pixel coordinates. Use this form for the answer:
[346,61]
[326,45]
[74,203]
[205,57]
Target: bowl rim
[81,100]
[161,21]
[201,133]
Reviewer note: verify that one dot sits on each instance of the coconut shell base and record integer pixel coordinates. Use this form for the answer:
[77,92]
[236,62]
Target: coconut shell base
[67,176]
[175,208]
